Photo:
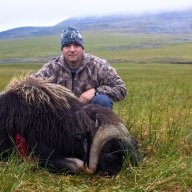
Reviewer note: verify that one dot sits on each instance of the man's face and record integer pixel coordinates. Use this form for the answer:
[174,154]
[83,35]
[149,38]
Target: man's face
[73,53]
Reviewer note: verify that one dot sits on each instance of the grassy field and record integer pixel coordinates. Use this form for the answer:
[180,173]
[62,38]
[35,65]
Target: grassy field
[157,111]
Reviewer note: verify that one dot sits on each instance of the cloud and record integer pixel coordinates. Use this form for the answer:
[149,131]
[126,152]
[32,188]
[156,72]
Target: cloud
[47,13]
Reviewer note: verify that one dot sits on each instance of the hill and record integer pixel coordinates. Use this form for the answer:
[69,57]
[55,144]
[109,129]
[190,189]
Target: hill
[166,22]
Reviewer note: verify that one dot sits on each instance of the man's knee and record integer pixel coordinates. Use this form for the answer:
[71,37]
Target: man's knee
[102,100]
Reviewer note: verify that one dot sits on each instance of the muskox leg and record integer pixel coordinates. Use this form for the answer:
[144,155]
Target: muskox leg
[67,165]
[55,162]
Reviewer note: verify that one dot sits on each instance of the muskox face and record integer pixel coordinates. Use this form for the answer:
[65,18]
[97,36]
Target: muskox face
[62,133]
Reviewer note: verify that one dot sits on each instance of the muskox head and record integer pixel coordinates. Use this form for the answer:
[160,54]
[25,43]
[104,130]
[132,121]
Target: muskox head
[62,133]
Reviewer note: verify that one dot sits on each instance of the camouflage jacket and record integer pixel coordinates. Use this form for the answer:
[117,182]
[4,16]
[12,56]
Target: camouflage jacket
[93,72]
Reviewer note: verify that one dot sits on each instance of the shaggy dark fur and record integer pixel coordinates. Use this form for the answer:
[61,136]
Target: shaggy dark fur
[57,127]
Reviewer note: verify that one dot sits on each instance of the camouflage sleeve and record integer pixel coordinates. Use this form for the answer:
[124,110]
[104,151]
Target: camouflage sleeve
[110,83]
[49,70]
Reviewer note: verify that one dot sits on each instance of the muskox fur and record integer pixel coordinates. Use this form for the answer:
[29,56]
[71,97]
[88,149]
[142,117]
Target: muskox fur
[61,133]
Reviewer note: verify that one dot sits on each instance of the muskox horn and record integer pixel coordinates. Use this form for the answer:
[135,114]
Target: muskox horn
[102,136]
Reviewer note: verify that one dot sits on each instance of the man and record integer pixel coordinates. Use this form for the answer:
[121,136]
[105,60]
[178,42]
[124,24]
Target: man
[91,79]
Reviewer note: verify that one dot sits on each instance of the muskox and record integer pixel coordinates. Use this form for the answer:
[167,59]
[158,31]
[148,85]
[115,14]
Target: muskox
[61,133]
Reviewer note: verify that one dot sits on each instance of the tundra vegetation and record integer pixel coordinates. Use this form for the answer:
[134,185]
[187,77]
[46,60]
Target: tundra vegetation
[158,110]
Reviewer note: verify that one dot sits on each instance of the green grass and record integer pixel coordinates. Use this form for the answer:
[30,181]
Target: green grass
[29,47]
[113,46]
[157,111]
[8,71]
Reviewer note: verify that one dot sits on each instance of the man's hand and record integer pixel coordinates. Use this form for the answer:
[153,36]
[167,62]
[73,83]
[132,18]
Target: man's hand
[86,96]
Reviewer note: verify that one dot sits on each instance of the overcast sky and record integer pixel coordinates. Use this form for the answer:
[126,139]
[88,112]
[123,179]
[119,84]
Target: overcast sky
[19,13]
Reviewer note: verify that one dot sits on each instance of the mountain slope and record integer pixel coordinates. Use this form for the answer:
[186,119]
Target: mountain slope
[168,22]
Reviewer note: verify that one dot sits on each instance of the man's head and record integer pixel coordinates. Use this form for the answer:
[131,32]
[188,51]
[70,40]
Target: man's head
[71,35]
[72,46]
